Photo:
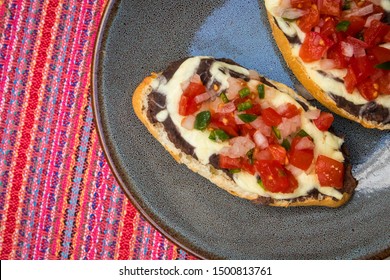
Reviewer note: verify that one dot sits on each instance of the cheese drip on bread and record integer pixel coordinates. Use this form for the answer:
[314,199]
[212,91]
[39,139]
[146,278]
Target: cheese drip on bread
[326,143]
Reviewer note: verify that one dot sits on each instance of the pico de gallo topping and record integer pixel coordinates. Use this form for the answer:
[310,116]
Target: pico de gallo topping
[345,34]
[262,139]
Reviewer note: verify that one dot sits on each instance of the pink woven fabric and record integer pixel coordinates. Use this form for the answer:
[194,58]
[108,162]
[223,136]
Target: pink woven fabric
[58,197]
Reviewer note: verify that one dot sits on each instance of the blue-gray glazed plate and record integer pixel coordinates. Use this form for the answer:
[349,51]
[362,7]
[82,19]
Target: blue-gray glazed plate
[139,37]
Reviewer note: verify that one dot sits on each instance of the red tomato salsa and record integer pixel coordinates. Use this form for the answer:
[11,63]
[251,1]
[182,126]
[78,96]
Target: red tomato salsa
[264,140]
[349,34]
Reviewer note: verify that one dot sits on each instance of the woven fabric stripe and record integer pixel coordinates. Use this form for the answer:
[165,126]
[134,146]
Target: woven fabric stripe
[58,196]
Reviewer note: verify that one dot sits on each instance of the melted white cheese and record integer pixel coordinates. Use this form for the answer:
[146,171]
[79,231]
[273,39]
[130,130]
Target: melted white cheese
[325,142]
[162,115]
[327,83]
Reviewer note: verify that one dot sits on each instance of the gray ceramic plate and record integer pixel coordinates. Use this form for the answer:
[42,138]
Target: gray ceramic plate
[138,37]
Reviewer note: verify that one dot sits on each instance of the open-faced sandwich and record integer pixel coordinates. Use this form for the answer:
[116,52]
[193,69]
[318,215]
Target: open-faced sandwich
[249,135]
[340,51]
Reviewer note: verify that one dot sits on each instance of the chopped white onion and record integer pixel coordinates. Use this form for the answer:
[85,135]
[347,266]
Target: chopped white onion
[289,126]
[237,119]
[259,124]
[294,170]
[234,87]
[358,46]
[227,108]
[240,145]
[260,140]
[188,122]
[202,97]
[327,64]
[360,12]
[377,16]
[292,13]
[346,49]
[312,114]
[305,144]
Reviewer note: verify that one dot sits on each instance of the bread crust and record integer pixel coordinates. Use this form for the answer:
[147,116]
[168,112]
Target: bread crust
[299,71]
[219,177]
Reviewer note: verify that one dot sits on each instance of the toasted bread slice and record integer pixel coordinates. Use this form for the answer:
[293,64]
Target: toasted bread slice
[156,102]
[370,114]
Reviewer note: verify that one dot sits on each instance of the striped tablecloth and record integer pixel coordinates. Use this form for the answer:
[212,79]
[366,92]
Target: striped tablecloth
[58,197]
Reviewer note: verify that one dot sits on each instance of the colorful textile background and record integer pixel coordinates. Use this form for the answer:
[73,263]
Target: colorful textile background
[58,197]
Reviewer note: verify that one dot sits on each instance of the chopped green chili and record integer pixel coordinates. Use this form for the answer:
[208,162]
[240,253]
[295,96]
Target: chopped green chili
[346,5]
[302,133]
[261,91]
[247,118]
[286,144]
[219,135]
[202,120]
[276,132]
[260,182]
[343,25]
[224,97]
[244,105]
[244,92]
[236,170]
[250,155]
[384,65]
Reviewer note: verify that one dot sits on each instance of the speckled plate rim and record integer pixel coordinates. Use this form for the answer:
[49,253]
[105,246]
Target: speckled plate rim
[99,42]
[99,126]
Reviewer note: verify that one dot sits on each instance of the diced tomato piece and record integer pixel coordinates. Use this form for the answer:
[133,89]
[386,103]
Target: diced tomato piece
[309,20]
[356,43]
[301,4]
[375,33]
[262,154]
[229,163]
[335,53]
[187,104]
[330,172]
[272,139]
[290,111]
[271,117]
[300,158]
[274,176]
[368,89]
[380,53]
[246,129]
[324,121]
[350,80]
[384,83]
[362,66]
[278,153]
[236,163]
[292,181]
[246,166]
[329,27]
[387,37]
[255,110]
[225,122]
[356,25]
[314,47]
[331,8]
